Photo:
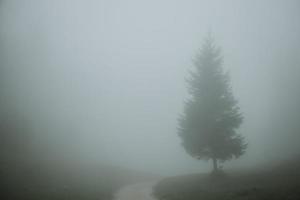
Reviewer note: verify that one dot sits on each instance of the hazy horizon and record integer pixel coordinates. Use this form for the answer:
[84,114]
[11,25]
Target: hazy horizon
[104,81]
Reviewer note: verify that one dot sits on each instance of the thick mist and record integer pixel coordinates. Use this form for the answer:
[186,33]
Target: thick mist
[104,81]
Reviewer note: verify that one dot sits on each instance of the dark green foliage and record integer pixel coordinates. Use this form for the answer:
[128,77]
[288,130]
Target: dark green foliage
[211,116]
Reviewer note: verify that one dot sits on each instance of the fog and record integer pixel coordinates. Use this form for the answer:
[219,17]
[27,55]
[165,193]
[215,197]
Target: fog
[104,81]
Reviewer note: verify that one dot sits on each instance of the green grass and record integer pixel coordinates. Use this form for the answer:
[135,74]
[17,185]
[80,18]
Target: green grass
[274,183]
[45,181]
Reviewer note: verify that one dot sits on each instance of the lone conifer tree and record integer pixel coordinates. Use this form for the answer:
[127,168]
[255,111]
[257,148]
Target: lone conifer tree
[208,126]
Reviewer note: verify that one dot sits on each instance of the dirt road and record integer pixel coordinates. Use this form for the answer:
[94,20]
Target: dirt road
[139,191]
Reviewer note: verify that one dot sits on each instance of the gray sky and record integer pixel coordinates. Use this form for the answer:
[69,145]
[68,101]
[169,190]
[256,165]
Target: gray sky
[106,78]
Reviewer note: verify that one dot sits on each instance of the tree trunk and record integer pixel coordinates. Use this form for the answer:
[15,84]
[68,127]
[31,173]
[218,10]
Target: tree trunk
[215,164]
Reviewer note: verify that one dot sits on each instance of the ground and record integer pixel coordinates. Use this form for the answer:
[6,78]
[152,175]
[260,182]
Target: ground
[273,182]
[36,181]
[138,191]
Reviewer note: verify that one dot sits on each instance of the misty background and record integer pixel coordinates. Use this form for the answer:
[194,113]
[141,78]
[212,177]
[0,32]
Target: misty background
[104,81]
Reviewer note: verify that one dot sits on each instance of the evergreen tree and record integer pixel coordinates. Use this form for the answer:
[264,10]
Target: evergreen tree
[208,126]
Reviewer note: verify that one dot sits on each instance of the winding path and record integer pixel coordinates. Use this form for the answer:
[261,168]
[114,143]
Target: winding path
[139,191]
